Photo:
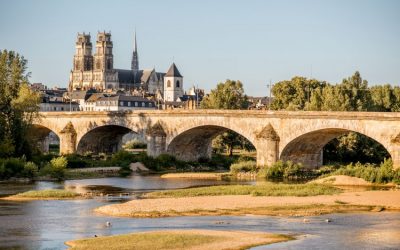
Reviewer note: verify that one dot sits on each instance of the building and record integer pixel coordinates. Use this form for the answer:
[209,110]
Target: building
[97,71]
[173,84]
[93,71]
[113,102]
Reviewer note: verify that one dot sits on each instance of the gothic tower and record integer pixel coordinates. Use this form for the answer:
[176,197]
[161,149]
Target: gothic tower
[135,57]
[83,60]
[104,73]
[173,84]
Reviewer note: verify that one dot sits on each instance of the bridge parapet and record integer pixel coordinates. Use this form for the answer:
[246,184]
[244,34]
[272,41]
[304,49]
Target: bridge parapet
[294,135]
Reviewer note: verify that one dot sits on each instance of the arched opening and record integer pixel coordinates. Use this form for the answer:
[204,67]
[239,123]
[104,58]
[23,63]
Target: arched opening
[177,83]
[104,139]
[44,139]
[197,143]
[168,84]
[319,147]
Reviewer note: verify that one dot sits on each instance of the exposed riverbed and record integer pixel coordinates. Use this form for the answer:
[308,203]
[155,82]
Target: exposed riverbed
[48,224]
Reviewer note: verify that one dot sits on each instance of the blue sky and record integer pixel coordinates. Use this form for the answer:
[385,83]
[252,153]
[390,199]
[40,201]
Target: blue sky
[210,41]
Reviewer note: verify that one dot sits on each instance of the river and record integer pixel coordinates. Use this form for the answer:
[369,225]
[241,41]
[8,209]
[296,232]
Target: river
[48,224]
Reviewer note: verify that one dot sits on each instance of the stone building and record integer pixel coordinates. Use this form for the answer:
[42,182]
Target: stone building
[97,71]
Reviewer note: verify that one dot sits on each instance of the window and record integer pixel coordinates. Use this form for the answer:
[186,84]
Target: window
[121,103]
[129,104]
[168,84]
[136,104]
[143,104]
[150,104]
[177,83]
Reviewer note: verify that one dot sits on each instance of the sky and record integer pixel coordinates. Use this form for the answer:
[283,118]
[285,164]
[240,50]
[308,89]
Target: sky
[211,41]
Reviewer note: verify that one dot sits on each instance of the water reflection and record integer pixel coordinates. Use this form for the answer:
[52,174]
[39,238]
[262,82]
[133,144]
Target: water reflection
[48,224]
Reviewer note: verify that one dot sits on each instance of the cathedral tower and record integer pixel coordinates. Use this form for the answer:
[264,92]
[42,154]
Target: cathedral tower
[173,84]
[83,61]
[135,57]
[104,73]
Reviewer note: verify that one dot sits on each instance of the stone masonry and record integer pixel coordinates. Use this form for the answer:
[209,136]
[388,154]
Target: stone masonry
[298,136]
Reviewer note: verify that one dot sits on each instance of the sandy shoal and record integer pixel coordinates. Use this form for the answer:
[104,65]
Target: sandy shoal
[230,239]
[388,199]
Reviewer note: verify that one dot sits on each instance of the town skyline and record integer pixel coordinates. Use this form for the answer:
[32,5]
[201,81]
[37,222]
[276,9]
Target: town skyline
[253,43]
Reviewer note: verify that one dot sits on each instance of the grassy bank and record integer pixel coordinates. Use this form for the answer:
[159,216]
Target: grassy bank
[286,210]
[56,194]
[195,175]
[184,239]
[258,190]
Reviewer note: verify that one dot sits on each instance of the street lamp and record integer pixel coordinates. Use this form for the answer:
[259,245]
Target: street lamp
[70,100]
[270,86]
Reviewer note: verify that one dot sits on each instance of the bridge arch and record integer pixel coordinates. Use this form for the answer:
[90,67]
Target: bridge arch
[307,148]
[102,139]
[195,142]
[43,136]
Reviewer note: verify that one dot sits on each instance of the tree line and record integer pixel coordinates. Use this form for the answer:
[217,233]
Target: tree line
[301,93]
[352,94]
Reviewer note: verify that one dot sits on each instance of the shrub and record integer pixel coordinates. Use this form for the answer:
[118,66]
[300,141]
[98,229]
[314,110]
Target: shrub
[30,170]
[167,161]
[221,161]
[55,168]
[382,173]
[135,144]
[125,170]
[283,170]
[11,167]
[123,157]
[76,161]
[244,166]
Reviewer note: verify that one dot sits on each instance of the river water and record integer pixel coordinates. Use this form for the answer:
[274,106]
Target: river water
[48,224]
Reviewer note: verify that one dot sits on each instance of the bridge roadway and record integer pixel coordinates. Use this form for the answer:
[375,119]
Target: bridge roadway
[288,135]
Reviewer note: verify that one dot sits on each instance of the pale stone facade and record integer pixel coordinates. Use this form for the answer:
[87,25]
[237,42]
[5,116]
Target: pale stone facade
[187,134]
[93,71]
[97,71]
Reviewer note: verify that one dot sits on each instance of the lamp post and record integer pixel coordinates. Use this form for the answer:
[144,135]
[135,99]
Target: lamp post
[70,101]
[269,86]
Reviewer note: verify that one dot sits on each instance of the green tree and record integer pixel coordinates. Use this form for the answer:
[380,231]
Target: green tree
[352,94]
[18,105]
[295,93]
[227,95]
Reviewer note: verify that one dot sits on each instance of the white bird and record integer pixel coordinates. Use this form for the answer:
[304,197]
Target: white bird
[108,224]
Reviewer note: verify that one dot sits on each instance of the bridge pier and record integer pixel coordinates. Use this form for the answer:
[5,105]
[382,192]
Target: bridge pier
[395,154]
[156,140]
[68,139]
[267,145]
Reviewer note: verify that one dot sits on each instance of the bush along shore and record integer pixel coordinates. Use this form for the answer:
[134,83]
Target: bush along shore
[382,173]
[52,167]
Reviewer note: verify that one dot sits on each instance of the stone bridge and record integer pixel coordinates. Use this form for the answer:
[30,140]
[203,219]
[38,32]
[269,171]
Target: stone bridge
[298,136]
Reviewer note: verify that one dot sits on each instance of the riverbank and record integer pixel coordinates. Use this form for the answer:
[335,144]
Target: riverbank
[180,239]
[47,194]
[258,205]
[196,175]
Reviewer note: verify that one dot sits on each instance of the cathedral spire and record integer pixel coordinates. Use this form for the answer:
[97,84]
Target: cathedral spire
[135,58]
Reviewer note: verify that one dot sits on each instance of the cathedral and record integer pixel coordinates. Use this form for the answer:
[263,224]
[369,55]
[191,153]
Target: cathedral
[97,71]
